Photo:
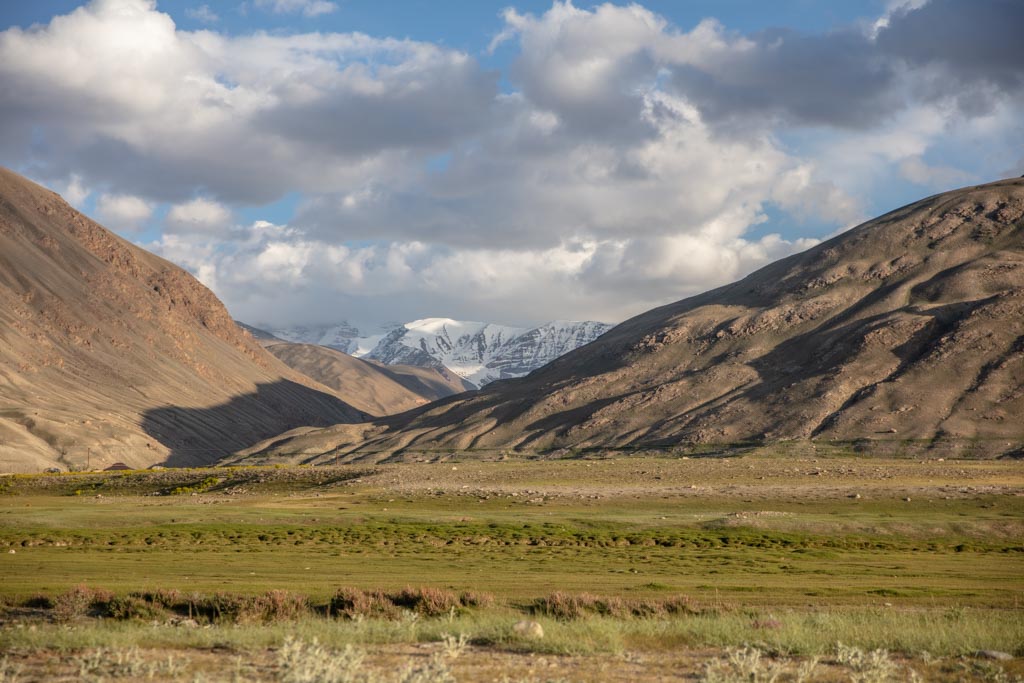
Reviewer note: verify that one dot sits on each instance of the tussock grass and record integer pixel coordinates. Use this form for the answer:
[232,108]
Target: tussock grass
[583,628]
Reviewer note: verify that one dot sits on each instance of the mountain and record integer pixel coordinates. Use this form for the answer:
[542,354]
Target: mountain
[353,339]
[904,332]
[259,335]
[109,353]
[477,352]
[368,386]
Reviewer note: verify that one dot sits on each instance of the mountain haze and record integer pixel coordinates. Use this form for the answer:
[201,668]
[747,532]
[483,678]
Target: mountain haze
[476,351]
[908,328]
[110,353]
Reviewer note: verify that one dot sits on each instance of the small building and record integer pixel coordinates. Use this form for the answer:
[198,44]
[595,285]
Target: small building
[117,466]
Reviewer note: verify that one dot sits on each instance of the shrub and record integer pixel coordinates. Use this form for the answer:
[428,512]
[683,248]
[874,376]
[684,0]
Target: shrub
[678,605]
[274,606]
[353,603]
[39,602]
[745,664]
[300,662]
[476,599]
[166,598]
[867,667]
[197,487]
[565,606]
[217,607]
[430,602]
[568,606]
[270,607]
[131,607]
[78,602]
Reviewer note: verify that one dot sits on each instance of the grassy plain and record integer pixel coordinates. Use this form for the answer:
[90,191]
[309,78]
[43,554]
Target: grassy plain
[793,554]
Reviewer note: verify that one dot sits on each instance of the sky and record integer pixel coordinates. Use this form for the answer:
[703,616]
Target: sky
[314,161]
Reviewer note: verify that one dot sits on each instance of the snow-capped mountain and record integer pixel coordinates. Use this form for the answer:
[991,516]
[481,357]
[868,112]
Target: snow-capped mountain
[353,339]
[478,352]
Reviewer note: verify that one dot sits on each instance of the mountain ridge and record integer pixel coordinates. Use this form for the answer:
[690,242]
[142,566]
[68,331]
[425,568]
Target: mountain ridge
[476,351]
[909,326]
[109,352]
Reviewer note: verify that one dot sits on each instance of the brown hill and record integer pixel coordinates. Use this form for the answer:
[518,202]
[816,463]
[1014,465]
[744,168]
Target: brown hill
[432,383]
[109,353]
[908,329]
[374,388]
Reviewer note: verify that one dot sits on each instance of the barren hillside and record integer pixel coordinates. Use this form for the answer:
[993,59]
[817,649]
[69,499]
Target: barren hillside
[374,388]
[109,353]
[908,329]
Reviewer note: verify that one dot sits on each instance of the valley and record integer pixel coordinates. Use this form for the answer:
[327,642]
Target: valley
[873,553]
[511,342]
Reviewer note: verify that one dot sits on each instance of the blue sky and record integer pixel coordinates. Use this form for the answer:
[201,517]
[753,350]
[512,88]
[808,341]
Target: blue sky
[468,26]
[314,161]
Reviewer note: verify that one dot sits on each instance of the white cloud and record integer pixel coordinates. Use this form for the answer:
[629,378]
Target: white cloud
[162,112]
[202,13]
[198,215]
[74,191]
[627,164]
[122,212]
[280,269]
[308,8]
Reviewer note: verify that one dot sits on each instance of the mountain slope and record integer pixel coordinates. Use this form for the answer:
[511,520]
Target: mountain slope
[373,388]
[478,352]
[909,327]
[431,383]
[345,336]
[109,353]
[483,352]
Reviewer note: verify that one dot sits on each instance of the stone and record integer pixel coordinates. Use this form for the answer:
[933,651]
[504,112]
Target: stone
[994,654]
[528,629]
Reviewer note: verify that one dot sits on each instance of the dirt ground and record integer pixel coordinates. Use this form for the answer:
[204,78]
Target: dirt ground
[391,662]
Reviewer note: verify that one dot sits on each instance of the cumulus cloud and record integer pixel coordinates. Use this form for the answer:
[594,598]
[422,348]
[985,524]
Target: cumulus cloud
[302,279]
[626,162]
[940,51]
[162,112]
[122,212]
[73,191]
[198,215]
[968,43]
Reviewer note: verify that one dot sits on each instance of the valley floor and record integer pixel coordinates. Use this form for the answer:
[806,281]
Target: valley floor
[636,568]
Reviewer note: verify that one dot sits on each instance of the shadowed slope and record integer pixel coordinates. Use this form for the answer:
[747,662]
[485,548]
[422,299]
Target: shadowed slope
[95,332]
[374,388]
[909,327]
[432,383]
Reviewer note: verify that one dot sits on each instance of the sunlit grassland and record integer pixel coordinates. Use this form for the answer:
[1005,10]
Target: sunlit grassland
[830,558]
[799,632]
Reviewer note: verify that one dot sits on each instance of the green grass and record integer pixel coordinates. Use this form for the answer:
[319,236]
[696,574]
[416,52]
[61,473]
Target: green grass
[127,545]
[746,539]
[804,633]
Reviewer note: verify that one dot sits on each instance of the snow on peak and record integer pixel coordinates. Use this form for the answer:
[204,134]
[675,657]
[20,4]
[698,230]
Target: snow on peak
[477,351]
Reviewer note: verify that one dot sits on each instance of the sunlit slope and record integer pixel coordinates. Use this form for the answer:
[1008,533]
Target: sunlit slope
[907,328]
[109,353]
